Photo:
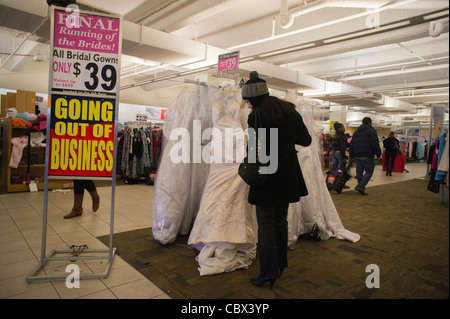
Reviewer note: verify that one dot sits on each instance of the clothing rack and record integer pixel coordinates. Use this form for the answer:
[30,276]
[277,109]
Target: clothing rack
[143,123]
[237,84]
[139,149]
[202,83]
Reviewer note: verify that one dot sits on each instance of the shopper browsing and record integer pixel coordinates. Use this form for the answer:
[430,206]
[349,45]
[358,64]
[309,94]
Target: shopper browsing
[78,189]
[339,144]
[392,149]
[363,148]
[284,186]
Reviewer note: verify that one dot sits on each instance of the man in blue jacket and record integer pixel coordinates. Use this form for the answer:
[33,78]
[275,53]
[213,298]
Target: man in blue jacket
[363,148]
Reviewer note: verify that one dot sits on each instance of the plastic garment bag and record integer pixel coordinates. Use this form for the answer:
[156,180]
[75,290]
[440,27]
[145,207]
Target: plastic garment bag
[201,121]
[171,189]
[317,207]
[225,228]
[181,176]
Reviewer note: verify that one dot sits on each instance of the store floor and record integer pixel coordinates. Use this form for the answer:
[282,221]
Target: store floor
[20,239]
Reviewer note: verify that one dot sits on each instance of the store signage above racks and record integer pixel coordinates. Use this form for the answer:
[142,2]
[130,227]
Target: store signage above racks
[229,61]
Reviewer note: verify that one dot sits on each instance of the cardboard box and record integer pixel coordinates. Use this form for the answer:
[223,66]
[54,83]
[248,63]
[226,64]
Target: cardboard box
[25,101]
[3,104]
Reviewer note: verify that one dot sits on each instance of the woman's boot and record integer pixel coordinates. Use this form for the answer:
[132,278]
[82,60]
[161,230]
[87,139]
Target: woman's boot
[77,209]
[95,201]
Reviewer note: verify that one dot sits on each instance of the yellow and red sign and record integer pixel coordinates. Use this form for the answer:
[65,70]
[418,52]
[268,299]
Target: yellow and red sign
[84,78]
[81,136]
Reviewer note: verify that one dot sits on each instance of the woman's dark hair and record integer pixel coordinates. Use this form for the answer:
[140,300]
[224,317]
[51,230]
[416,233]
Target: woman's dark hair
[274,110]
[337,126]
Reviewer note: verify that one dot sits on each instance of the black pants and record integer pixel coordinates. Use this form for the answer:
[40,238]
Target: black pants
[389,159]
[272,239]
[80,185]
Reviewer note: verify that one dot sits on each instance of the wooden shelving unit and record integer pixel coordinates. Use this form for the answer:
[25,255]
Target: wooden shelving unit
[35,167]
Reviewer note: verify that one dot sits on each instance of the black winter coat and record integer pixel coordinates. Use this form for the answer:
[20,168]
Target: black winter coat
[287,184]
[365,142]
[390,144]
[339,142]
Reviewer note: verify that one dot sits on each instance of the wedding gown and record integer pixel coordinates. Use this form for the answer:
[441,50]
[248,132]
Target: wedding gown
[225,227]
[179,186]
[317,207]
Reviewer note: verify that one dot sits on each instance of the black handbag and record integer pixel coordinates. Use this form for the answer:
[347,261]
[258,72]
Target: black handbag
[251,172]
[396,148]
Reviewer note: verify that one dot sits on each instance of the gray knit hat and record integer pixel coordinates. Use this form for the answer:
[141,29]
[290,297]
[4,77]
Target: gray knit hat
[254,87]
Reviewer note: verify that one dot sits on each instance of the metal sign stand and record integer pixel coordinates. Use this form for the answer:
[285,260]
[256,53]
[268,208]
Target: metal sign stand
[70,254]
[45,259]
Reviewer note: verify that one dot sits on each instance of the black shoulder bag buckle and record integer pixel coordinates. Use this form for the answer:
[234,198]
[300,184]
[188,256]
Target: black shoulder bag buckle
[251,172]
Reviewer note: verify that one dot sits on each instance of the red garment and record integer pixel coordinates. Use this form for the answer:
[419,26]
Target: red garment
[399,164]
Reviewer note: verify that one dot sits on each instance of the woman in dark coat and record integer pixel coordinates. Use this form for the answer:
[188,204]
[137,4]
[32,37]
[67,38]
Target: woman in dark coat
[284,186]
[392,149]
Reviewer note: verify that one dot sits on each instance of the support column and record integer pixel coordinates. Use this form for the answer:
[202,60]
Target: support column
[337,113]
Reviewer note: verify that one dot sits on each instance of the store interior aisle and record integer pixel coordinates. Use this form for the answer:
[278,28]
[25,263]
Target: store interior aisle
[20,239]
[415,170]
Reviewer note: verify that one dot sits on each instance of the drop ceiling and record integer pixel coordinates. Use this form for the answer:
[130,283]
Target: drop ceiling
[359,54]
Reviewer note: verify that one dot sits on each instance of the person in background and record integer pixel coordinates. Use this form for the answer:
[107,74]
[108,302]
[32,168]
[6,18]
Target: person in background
[78,189]
[339,145]
[363,148]
[392,149]
[285,186]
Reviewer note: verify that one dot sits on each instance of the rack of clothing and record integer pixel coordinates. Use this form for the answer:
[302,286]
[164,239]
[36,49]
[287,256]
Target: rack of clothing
[439,161]
[139,150]
[415,148]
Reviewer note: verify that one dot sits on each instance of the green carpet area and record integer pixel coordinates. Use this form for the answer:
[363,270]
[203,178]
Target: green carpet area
[404,231]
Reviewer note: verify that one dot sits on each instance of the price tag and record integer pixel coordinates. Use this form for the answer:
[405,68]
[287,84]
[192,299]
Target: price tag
[82,72]
[229,61]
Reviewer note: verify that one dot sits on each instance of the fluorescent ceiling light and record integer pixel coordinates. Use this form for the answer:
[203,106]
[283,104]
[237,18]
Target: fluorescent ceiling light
[389,73]
[423,90]
[198,65]
[421,95]
[146,70]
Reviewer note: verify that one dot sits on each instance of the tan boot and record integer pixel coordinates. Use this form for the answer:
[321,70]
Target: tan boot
[95,201]
[77,209]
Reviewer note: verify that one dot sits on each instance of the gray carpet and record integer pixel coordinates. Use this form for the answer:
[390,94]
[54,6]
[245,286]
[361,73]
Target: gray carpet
[404,231]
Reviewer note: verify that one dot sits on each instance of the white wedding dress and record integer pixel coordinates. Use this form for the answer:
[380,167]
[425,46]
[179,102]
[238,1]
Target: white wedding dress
[179,186]
[225,227]
[317,207]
